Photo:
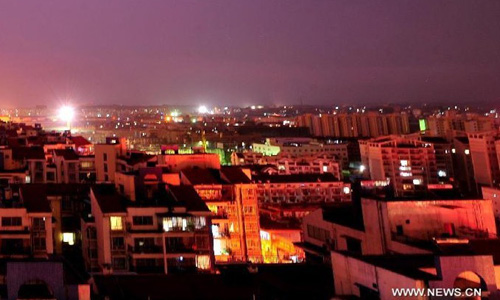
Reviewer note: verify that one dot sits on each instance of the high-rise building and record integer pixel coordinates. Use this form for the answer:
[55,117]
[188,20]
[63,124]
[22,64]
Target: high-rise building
[485,149]
[407,163]
[231,196]
[370,124]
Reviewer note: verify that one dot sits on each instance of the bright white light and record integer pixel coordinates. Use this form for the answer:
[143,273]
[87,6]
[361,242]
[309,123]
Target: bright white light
[441,173]
[202,109]
[362,168]
[66,113]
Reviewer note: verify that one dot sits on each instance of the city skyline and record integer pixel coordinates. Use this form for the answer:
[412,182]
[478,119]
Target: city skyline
[240,53]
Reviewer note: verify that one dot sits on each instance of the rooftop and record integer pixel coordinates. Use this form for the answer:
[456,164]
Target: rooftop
[35,199]
[407,265]
[294,178]
[67,154]
[344,214]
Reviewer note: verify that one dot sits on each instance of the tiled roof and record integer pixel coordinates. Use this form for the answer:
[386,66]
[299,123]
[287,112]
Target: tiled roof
[67,154]
[235,175]
[79,141]
[197,176]
[20,153]
[186,195]
[34,198]
[294,178]
[108,199]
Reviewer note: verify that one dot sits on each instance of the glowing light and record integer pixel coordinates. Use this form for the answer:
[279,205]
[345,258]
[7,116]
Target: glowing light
[68,237]
[66,113]
[362,168]
[202,109]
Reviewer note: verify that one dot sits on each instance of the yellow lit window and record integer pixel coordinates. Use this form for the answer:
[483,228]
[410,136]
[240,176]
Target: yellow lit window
[116,223]
[203,262]
[68,237]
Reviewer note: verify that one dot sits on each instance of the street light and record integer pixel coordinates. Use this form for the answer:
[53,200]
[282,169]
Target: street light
[202,110]
[67,114]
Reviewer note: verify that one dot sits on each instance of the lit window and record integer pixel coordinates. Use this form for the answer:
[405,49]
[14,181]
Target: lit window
[203,262]
[217,247]
[347,190]
[68,237]
[441,173]
[116,223]
[264,235]
[215,231]
[404,163]
[407,187]
[417,181]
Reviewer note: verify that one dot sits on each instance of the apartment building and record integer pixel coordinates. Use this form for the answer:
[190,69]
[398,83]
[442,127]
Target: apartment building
[462,270]
[380,225]
[463,167]
[165,232]
[408,164]
[369,124]
[106,156]
[287,164]
[26,223]
[232,197]
[301,189]
[485,153]
[345,151]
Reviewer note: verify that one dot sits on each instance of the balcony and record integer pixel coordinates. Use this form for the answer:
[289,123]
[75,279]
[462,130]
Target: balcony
[220,215]
[180,249]
[146,249]
[15,251]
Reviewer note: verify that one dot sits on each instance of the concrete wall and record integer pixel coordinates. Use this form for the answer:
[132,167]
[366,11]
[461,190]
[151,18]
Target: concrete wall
[449,267]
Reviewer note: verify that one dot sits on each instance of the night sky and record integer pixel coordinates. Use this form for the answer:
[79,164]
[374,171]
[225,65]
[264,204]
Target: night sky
[248,52]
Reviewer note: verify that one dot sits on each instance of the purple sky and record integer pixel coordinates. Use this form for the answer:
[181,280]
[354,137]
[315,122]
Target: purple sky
[248,52]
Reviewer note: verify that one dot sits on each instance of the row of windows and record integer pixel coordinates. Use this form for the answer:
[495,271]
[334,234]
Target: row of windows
[11,221]
[142,220]
[317,233]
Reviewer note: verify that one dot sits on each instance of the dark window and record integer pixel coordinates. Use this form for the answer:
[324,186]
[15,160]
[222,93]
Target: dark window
[105,157]
[399,230]
[39,243]
[142,220]
[11,221]
[91,233]
[353,245]
[119,263]
[118,243]
[38,224]
[317,233]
